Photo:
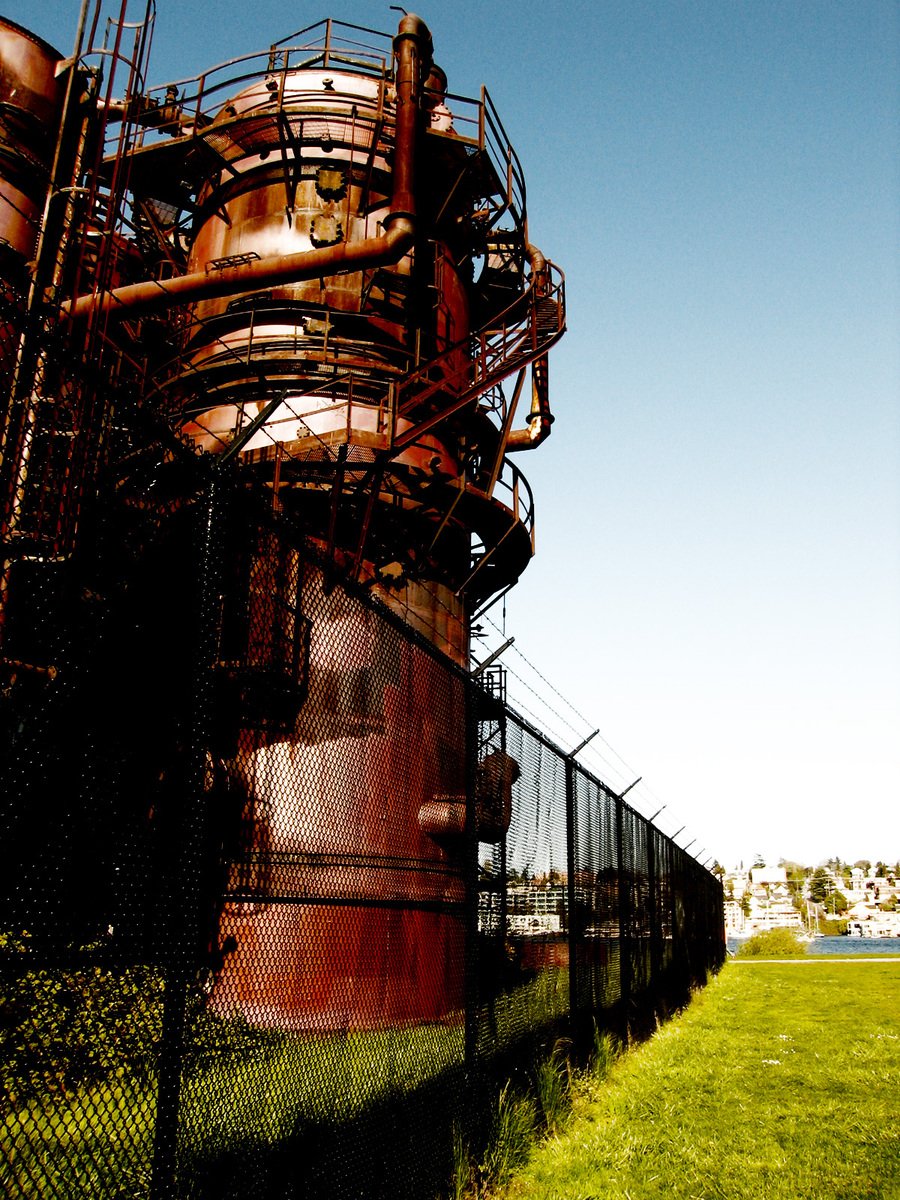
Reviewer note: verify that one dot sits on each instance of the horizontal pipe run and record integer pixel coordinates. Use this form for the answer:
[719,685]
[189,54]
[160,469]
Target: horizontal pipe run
[137,299]
[389,247]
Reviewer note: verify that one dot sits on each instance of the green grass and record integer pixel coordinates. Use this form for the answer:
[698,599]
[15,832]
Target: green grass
[249,1096]
[780,1081]
[99,1140]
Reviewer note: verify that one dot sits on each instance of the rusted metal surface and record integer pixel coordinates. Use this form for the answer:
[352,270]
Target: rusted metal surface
[31,96]
[309,270]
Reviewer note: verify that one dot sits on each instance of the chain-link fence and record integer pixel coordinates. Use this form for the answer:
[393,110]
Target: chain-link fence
[285,893]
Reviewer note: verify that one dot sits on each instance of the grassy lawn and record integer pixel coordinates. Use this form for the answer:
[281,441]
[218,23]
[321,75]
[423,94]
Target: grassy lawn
[781,1081]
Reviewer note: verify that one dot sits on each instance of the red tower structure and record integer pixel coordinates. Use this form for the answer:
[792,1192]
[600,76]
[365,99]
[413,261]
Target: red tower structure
[315,262]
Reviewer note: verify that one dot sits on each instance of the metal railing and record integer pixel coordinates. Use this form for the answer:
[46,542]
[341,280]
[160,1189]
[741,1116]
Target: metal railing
[187,107]
[525,331]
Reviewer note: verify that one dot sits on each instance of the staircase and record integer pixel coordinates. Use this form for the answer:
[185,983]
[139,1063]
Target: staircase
[524,332]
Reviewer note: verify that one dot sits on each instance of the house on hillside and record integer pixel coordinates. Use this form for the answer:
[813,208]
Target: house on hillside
[771,901]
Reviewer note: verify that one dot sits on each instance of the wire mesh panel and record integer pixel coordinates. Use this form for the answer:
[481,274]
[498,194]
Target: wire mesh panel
[281,883]
[341,941]
[94,912]
[524,922]
[597,880]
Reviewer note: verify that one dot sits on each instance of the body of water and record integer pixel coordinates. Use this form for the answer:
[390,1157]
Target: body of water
[840,945]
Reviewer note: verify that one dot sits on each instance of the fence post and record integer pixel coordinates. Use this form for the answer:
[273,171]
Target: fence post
[624,888]
[180,924]
[165,1142]
[471,965]
[653,914]
[571,857]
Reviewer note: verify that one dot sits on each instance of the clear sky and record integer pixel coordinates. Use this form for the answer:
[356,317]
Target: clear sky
[717,583]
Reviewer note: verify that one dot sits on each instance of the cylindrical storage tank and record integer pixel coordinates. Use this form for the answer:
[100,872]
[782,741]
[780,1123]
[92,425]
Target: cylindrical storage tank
[307,162]
[309,166]
[345,912]
[345,909]
[306,155]
[31,99]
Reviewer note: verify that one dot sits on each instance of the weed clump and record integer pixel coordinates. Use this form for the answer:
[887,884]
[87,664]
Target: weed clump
[606,1050]
[552,1085]
[513,1133]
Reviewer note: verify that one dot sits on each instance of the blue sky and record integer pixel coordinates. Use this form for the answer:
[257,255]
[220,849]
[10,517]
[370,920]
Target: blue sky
[717,582]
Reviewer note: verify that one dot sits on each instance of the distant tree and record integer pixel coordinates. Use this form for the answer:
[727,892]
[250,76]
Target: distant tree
[758,861]
[863,864]
[791,868]
[796,873]
[836,903]
[820,885]
[833,926]
[796,880]
[881,869]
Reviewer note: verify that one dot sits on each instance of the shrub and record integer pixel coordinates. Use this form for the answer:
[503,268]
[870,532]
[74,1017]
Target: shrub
[73,1026]
[773,943]
[70,1027]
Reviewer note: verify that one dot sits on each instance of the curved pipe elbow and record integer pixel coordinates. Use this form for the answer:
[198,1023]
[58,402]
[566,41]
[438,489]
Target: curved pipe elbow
[537,261]
[537,431]
[412,26]
[540,419]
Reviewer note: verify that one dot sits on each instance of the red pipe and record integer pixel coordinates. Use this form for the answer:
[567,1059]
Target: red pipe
[397,238]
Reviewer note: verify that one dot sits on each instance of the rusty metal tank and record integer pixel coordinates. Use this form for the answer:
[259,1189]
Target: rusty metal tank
[308,160]
[351,915]
[344,913]
[314,227]
[31,97]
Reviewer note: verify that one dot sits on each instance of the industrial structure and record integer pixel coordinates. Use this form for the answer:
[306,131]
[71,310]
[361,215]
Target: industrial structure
[307,272]
[289,892]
